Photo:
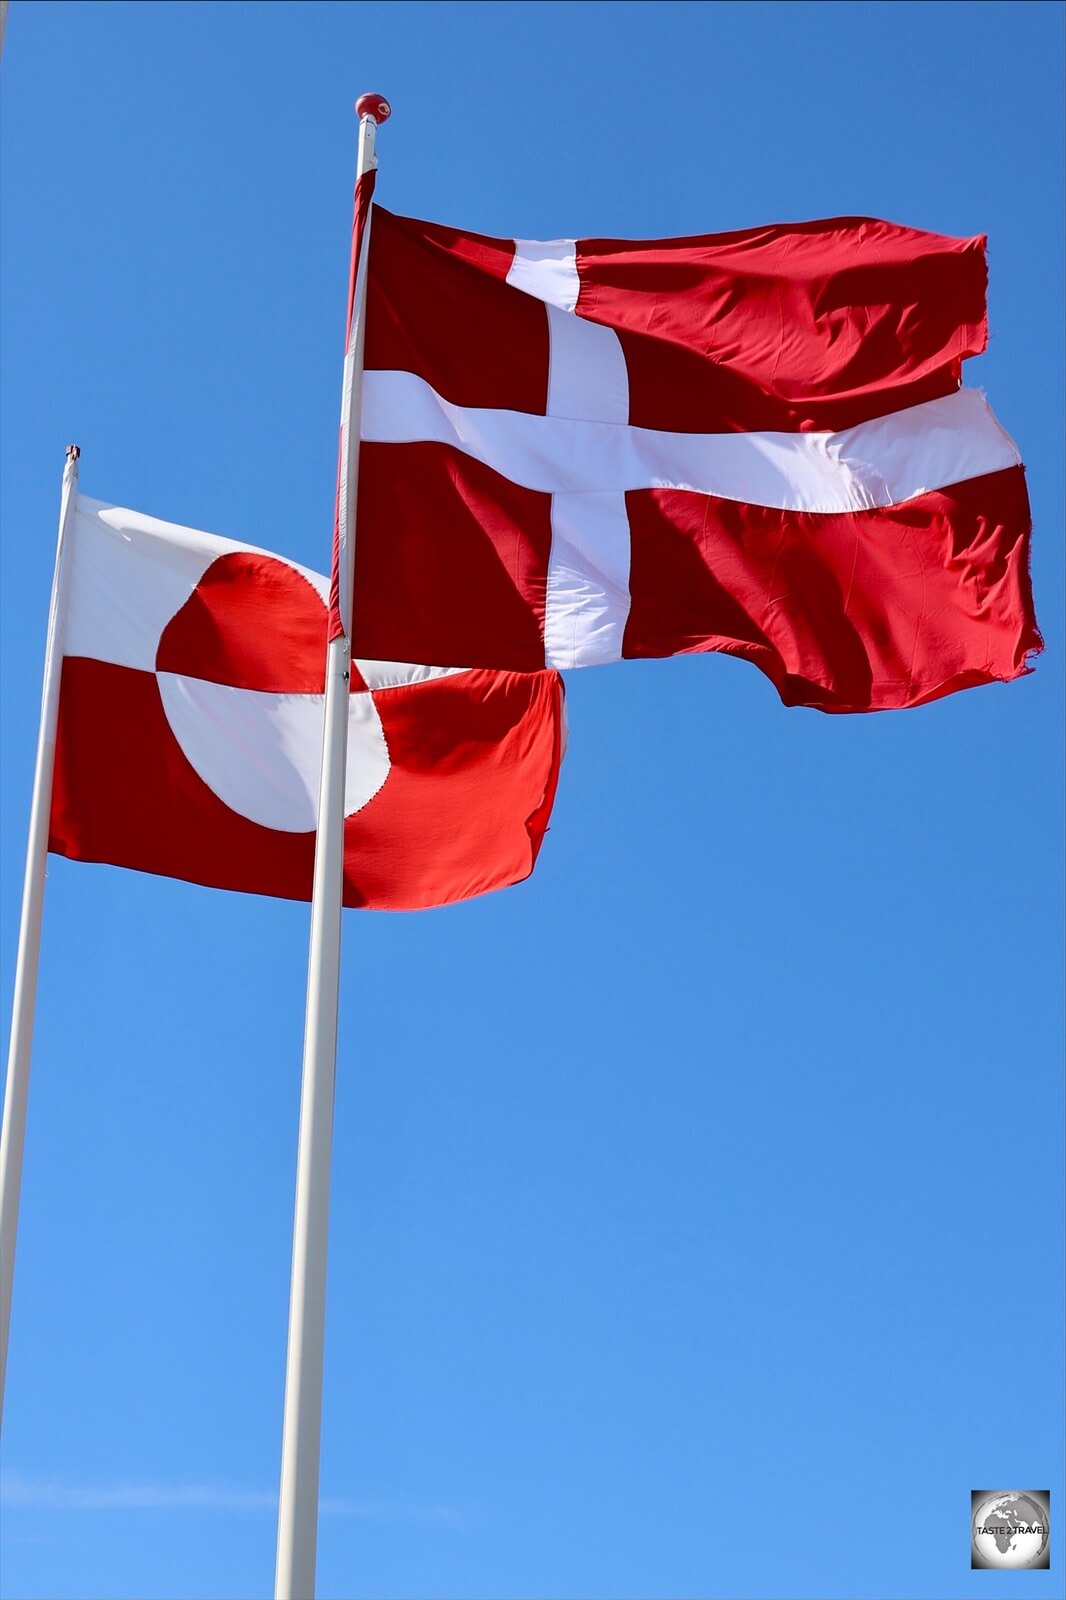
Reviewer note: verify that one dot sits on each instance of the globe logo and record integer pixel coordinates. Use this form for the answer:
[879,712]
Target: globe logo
[1010,1529]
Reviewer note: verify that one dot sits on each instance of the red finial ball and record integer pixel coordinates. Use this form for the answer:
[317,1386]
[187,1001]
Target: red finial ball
[373,105]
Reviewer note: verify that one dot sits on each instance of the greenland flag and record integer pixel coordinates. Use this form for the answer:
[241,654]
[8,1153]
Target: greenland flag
[576,451]
[190,731]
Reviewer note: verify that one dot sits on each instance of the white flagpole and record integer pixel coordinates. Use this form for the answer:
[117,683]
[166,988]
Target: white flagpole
[298,1505]
[13,1137]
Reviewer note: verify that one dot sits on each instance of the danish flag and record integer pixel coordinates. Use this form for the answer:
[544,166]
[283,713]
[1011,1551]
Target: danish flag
[190,730]
[754,442]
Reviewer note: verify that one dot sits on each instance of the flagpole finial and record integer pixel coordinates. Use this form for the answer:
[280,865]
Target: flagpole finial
[373,105]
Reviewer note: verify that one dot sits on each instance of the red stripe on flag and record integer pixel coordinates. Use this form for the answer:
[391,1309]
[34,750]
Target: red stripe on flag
[474,789]
[364,194]
[816,325]
[125,793]
[438,307]
[866,612]
[683,391]
[474,767]
[451,557]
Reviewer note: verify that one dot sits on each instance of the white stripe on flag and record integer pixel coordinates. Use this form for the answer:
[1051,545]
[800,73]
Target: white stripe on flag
[587,376]
[587,601]
[587,594]
[877,463]
[546,269]
[128,574]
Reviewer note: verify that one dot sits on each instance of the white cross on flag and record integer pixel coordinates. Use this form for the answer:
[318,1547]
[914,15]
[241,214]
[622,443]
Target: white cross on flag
[190,730]
[757,442]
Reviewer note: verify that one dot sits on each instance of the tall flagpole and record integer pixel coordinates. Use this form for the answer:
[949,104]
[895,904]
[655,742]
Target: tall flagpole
[13,1137]
[301,1437]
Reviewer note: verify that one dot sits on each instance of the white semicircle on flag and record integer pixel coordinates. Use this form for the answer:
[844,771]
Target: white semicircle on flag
[261,753]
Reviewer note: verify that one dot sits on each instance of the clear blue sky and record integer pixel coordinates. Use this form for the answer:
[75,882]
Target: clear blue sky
[696,1210]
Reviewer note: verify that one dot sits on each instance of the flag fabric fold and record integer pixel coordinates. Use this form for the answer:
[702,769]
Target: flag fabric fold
[190,731]
[578,451]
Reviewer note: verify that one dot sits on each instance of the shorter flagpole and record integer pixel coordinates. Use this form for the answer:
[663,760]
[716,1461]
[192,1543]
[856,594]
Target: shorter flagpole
[16,1093]
[302,1431]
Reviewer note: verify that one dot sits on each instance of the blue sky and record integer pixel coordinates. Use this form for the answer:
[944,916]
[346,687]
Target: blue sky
[696,1207]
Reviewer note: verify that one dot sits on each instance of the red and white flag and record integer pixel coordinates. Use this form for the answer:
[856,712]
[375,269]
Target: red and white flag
[190,731]
[754,442]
